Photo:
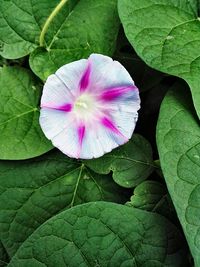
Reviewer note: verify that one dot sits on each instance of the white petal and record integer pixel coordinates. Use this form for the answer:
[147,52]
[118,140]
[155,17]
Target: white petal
[107,73]
[53,121]
[91,146]
[99,141]
[125,122]
[55,93]
[67,141]
[109,140]
[60,128]
[128,102]
[102,137]
[72,73]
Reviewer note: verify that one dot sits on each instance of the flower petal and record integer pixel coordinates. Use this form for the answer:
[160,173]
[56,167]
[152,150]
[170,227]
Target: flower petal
[113,93]
[72,73]
[98,141]
[85,79]
[91,146]
[106,73]
[126,99]
[52,121]
[123,111]
[125,122]
[55,94]
[109,124]
[61,129]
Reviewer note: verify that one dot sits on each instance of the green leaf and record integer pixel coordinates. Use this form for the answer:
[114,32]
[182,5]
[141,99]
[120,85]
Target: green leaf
[153,196]
[166,34]
[48,30]
[100,234]
[3,256]
[20,133]
[144,77]
[12,62]
[148,195]
[131,163]
[178,139]
[35,190]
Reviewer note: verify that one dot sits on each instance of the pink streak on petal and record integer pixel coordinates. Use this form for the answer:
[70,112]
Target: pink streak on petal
[81,135]
[84,82]
[112,93]
[110,125]
[67,107]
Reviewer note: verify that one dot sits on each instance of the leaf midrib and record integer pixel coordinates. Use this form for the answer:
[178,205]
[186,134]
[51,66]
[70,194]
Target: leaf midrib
[132,160]
[18,116]
[34,191]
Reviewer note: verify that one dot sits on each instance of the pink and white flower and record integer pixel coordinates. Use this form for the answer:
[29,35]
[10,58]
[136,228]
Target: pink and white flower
[89,107]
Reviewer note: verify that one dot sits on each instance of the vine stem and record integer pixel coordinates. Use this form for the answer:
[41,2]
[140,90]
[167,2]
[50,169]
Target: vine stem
[49,20]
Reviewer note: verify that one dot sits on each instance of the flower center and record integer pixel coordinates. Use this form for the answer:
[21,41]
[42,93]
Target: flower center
[84,102]
[85,106]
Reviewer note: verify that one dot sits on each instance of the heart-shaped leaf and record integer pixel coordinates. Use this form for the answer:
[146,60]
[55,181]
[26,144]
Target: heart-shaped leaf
[57,32]
[100,234]
[20,133]
[178,139]
[166,35]
[131,163]
[35,190]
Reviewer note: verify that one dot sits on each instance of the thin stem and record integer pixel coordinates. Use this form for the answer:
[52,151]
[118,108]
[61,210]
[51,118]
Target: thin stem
[49,20]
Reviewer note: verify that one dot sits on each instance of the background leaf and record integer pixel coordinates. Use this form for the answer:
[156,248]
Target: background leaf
[35,190]
[20,133]
[152,196]
[148,195]
[166,35]
[144,77]
[130,163]
[178,139]
[100,234]
[48,30]
[3,256]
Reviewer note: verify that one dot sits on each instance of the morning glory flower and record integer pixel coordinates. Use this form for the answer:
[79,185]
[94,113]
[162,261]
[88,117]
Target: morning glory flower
[89,107]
